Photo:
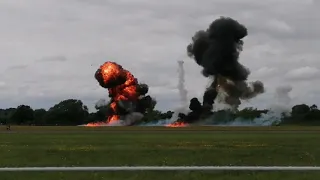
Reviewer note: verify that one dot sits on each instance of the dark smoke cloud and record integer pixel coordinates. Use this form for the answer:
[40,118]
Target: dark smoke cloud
[217,51]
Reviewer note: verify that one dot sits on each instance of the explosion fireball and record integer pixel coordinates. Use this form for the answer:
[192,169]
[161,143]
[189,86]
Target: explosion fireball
[217,50]
[127,97]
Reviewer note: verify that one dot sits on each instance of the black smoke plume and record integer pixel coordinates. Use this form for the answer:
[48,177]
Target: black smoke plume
[217,51]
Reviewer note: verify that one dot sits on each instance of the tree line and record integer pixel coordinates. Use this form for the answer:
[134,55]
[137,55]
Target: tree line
[68,112]
[72,112]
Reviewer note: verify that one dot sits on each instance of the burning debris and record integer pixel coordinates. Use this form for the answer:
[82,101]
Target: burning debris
[128,102]
[177,124]
[217,50]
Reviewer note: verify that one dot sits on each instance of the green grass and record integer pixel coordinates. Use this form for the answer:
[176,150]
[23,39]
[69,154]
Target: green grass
[116,146]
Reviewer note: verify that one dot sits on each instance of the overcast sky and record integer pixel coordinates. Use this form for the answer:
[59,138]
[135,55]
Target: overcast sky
[50,49]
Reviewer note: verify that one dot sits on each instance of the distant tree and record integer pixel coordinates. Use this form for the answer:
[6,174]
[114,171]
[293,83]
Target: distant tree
[1,114]
[39,116]
[67,112]
[313,114]
[313,107]
[22,115]
[74,112]
[7,114]
[299,113]
[300,109]
[250,113]
[303,114]
[2,117]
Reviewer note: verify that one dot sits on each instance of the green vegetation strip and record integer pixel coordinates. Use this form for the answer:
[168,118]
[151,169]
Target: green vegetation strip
[159,146]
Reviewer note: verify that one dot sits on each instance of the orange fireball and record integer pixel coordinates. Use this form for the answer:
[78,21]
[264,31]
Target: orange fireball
[121,85]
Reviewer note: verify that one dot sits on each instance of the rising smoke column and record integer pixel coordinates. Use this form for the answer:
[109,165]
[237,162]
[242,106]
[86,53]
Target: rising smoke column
[182,90]
[217,51]
[183,93]
[282,95]
[127,97]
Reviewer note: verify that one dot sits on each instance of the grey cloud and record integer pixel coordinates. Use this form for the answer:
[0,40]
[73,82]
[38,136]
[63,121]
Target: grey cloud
[52,59]
[3,85]
[303,74]
[266,73]
[17,67]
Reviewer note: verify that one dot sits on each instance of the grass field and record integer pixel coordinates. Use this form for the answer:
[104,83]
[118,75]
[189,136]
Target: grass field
[116,146]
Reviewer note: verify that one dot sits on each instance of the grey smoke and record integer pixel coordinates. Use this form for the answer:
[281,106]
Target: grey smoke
[217,51]
[282,95]
[131,118]
[282,105]
[181,86]
[101,103]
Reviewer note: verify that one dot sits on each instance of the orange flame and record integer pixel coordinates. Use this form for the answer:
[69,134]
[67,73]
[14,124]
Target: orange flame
[126,91]
[177,124]
[95,124]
